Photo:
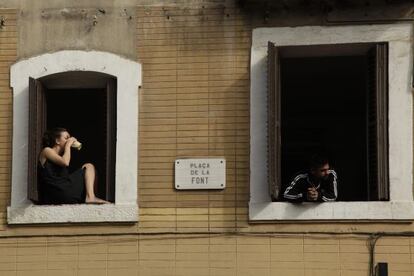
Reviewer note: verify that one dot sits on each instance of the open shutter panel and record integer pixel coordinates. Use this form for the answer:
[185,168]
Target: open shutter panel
[111,139]
[37,126]
[273,122]
[377,120]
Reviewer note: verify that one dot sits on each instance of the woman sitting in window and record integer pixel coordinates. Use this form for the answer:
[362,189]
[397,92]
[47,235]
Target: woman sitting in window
[57,186]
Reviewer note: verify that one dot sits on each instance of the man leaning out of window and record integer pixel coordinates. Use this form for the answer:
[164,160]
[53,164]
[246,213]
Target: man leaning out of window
[318,184]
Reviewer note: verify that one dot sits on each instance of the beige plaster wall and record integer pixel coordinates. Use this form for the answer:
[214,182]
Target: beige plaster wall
[48,26]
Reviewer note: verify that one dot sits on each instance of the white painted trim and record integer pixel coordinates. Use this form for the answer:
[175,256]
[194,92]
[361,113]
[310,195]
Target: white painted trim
[399,37]
[376,210]
[74,213]
[128,74]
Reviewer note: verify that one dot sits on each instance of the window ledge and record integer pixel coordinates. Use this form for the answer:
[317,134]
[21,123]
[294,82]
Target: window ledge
[283,211]
[73,213]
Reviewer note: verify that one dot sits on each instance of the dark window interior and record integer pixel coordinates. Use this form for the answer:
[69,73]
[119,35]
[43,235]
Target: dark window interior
[324,109]
[83,113]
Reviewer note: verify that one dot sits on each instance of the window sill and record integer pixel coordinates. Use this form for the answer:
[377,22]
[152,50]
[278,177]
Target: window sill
[284,211]
[73,213]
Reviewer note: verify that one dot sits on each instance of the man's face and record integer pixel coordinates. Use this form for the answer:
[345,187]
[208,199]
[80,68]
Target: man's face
[321,172]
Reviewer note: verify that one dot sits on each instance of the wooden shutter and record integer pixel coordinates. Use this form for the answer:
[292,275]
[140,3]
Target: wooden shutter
[377,120]
[110,138]
[273,122]
[37,126]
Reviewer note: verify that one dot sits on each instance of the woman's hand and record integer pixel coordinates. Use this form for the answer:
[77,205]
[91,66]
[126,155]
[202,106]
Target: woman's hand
[63,160]
[70,141]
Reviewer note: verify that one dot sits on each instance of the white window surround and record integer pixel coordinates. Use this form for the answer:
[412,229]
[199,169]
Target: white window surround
[128,74]
[400,114]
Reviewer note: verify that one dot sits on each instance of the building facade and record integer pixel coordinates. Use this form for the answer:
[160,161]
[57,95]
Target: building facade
[145,83]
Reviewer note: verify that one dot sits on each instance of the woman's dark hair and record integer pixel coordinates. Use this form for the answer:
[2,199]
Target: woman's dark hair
[50,136]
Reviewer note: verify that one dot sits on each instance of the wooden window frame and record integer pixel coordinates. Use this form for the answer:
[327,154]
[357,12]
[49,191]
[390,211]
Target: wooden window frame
[378,169]
[274,145]
[37,126]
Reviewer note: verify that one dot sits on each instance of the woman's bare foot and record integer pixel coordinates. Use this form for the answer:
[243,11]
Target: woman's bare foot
[95,200]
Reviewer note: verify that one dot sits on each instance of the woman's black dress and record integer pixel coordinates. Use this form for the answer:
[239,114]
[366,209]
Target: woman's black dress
[57,186]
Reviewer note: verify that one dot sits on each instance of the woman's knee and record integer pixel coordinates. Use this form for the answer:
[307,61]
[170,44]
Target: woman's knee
[88,166]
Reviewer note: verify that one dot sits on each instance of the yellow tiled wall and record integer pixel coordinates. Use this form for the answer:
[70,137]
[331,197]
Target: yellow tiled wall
[205,255]
[8,55]
[194,101]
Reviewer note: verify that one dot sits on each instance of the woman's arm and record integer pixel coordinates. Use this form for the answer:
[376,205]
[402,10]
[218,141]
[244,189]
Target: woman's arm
[63,160]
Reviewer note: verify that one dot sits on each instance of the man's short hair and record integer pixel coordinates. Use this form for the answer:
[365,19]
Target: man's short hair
[318,161]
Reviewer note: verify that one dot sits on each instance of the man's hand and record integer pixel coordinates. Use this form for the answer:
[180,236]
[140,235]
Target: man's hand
[312,194]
